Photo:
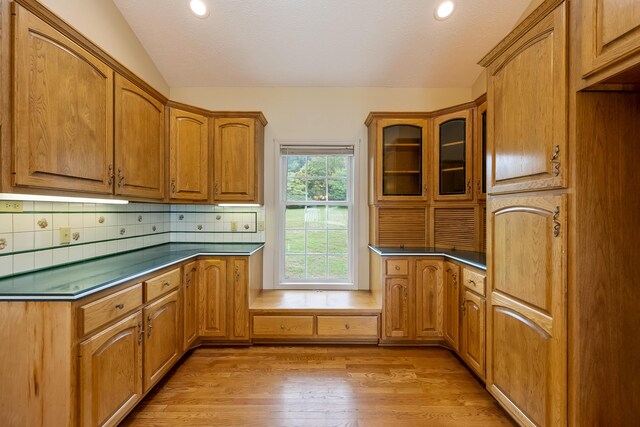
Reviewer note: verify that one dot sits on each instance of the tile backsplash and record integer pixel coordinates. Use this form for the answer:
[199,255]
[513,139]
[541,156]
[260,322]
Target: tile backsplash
[30,240]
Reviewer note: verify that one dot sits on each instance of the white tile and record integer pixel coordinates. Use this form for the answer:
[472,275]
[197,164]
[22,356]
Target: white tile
[101,249]
[43,222]
[42,239]
[23,222]
[60,256]
[60,220]
[23,241]
[75,253]
[76,220]
[89,234]
[89,207]
[60,206]
[101,233]
[27,206]
[6,223]
[112,247]
[89,219]
[89,251]
[23,262]
[43,206]
[43,259]
[6,265]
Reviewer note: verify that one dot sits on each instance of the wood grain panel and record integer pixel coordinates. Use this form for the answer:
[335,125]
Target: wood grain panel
[111,373]
[104,310]
[239,299]
[474,280]
[452,304]
[429,298]
[212,298]
[63,111]
[189,156]
[397,313]
[234,160]
[162,346]
[162,284]
[348,326]
[397,226]
[455,228]
[472,340]
[283,326]
[190,282]
[527,141]
[139,142]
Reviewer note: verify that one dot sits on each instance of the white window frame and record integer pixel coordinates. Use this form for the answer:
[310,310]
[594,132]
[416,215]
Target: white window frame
[280,282]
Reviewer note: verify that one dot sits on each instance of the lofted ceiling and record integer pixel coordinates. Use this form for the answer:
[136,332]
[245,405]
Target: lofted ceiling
[365,43]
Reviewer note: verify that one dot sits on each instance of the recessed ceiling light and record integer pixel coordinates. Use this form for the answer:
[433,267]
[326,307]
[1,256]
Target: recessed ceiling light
[199,8]
[444,10]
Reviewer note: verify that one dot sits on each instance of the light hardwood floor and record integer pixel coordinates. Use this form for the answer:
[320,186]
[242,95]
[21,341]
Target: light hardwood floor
[319,386]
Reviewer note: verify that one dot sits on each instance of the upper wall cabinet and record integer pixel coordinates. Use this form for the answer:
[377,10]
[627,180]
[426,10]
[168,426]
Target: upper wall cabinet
[189,156]
[480,153]
[398,159]
[610,38]
[527,102]
[63,111]
[139,142]
[453,149]
[238,160]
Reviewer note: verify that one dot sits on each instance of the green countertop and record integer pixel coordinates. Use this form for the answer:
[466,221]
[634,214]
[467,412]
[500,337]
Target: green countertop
[474,259]
[74,281]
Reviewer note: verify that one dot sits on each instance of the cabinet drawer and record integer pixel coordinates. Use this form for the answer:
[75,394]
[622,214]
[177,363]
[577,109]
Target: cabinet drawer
[100,312]
[162,284]
[397,267]
[348,326]
[474,281]
[283,326]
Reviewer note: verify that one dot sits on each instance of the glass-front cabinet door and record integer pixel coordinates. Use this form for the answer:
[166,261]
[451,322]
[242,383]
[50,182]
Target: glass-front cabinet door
[453,150]
[401,160]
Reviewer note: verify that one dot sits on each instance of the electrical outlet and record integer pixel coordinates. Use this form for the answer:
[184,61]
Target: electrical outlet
[260,225]
[65,235]
[234,225]
[10,206]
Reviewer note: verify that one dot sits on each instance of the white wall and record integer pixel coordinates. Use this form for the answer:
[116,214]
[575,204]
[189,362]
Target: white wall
[102,23]
[318,114]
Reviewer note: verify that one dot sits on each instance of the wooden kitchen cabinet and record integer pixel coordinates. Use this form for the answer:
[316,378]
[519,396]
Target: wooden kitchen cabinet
[139,142]
[62,111]
[527,141]
[190,281]
[452,304]
[223,301]
[526,366]
[399,159]
[111,372]
[428,298]
[238,160]
[480,152]
[397,313]
[453,154]
[610,39]
[472,332]
[188,156]
[162,345]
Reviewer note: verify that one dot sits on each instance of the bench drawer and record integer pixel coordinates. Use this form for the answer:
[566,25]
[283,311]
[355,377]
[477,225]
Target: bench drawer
[348,326]
[283,326]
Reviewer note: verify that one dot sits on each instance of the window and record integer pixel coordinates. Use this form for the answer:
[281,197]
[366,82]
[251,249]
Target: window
[317,214]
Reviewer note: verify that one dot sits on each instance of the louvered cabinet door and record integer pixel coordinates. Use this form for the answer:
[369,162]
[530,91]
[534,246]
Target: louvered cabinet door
[526,318]
[455,227]
[396,226]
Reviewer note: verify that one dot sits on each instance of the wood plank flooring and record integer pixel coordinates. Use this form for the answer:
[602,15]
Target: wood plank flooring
[319,386]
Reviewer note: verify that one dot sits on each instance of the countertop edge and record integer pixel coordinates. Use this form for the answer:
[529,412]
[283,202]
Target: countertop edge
[431,254]
[121,280]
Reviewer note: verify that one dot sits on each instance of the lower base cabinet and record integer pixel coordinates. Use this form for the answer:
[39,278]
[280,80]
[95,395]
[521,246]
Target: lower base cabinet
[472,348]
[111,372]
[452,304]
[190,280]
[162,346]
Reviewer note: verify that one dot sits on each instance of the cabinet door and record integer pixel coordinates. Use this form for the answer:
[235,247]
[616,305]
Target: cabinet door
[238,316]
[397,309]
[472,347]
[139,142]
[428,299]
[610,35]
[401,160]
[235,160]
[480,152]
[189,156]
[111,372]
[526,321]
[453,149]
[190,280]
[451,304]
[63,111]
[212,298]
[162,346]
[527,110]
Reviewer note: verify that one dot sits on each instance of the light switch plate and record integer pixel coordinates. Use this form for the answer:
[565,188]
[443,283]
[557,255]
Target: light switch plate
[260,225]
[234,225]
[65,235]
[11,206]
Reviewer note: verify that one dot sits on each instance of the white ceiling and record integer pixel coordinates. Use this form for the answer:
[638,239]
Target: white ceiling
[375,43]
